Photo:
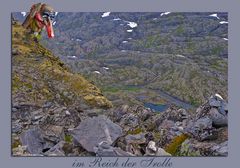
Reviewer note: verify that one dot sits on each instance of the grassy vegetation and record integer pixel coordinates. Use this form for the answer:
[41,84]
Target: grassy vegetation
[121,88]
[180,30]
[39,75]
[173,147]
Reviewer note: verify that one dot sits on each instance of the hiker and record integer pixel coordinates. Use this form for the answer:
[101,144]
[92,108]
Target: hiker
[40,16]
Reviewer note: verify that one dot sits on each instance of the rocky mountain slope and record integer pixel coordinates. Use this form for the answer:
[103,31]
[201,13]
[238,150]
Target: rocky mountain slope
[131,55]
[38,75]
[56,112]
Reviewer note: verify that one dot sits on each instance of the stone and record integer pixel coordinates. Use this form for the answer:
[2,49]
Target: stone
[135,139]
[16,127]
[92,131]
[135,144]
[56,150]
[47,104]
[183,113]
[200,129]
[218,119]
[67,112]
[162,152]
[33,140]
[166,124]
[192,147]
[219,103]
[14,110]
[203,123]
[130,119]
[187,148]
[173,115]
[152,146]
[20,151]
[221,149]
[103,149]
[152,150]
[214,102]
[53,133]
[142,112]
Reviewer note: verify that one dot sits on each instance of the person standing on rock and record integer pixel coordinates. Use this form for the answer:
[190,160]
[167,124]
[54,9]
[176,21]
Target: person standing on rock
[40,16]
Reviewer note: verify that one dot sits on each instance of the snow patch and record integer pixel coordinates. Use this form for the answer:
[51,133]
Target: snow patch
[179,55]
[56,13]
[116,19]
[123,50]
[72,56]
[106,14]
[132,24]
[106,68]
[97,72]
[165,13]
[129,38]
[78,40]
[130,30]
[54,23]
[24,13]
[124,41]
[214,15]
[154,18]
[223,22]
[219,96]
[225,39]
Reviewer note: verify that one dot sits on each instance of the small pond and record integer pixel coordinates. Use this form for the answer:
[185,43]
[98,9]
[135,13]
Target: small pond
[156,107]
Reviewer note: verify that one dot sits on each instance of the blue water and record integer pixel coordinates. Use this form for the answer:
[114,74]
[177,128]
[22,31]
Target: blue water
[156,107]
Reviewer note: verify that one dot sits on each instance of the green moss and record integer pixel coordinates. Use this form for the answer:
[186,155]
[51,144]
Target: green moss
[68,138]
[131,88]
[173,147]
[16,143]
[156,135]
[135,131]
[110,89]
[15,82]
[28,85]
[217,50]
[186,150]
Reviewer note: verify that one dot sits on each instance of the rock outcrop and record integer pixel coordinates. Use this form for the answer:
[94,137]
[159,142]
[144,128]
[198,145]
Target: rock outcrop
[94,131]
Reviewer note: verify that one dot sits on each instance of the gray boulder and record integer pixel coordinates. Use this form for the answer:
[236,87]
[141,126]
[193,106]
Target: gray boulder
[135,139]
[56,150]
[153,150]
[134,143]
[33,140]
[131,120]
[92,131]
[200,129]
[220,149]
[217,118]
[52,133]
[105,149]
[218,102]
